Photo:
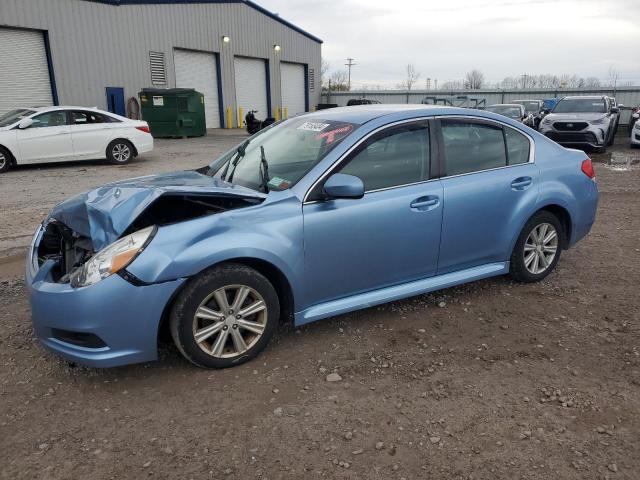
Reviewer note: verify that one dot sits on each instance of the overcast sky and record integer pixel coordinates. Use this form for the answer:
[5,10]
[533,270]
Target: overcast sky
[446,38]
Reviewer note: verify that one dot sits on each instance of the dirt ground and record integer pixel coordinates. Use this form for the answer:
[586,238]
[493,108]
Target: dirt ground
[491,380]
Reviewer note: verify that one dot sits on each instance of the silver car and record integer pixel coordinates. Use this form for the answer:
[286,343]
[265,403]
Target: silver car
[512,110]
[635,129]
[586,121]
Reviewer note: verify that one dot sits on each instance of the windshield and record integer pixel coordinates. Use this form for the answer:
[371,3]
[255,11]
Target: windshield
[288,150]
[530,107]
[511,112]
[14,115]
[580,105]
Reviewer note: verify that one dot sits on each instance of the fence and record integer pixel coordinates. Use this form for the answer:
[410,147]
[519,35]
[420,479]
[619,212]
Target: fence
[627,96]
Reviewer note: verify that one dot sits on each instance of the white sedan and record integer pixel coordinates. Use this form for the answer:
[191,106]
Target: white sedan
[58,134]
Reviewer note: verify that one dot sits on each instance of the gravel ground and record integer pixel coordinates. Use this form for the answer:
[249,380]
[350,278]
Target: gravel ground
[491,380]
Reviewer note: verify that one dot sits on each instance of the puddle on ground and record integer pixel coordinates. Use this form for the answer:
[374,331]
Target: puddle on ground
[622,161]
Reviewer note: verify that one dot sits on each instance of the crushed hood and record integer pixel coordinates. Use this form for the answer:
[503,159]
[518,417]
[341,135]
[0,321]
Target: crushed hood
[105,213]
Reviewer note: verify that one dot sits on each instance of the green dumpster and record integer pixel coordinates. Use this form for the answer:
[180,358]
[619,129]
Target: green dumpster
[173,112]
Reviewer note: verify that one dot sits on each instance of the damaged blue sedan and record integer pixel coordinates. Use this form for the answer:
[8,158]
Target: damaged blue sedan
[316,216]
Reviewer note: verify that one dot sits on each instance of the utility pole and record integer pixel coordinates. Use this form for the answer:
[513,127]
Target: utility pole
[349,64]
[524,80]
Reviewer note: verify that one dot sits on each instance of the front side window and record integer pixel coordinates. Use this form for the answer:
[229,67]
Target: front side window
[285,151]
[56,118]
[471,147]
[397,156]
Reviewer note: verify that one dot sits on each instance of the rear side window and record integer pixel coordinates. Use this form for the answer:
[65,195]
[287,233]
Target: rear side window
[471,147]
[84,118]
[397,156]
[517,146]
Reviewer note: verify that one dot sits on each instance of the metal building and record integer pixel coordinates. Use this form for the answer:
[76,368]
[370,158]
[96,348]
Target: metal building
[102,52]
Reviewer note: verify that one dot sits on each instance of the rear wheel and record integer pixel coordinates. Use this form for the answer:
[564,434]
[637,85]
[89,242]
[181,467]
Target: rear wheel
[119,152]
[225,316]
[6,160]
[537,249]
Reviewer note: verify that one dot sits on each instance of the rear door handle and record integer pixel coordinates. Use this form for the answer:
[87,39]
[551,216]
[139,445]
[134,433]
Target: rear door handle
[425,203]
[521,183]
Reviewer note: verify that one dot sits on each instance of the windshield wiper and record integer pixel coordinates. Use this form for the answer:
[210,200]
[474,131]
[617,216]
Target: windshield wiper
[240,151]
[264,171]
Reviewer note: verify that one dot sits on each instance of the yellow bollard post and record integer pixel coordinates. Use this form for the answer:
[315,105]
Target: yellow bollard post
[229,118]
[240,117]
[286,113]
[277,114]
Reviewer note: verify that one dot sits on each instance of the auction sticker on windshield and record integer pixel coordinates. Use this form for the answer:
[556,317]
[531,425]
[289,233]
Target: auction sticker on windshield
[313,126]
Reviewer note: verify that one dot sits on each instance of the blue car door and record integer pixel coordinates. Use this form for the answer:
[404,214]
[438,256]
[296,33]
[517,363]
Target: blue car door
[490,184]
[389,236]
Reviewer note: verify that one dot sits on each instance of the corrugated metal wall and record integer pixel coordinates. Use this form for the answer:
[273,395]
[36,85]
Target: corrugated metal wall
[94,45]
[628,96]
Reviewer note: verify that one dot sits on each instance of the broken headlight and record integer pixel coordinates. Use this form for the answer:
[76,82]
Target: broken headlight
[112,258]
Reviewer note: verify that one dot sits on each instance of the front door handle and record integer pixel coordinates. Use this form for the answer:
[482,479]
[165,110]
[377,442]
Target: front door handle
[521,183]
[422,204]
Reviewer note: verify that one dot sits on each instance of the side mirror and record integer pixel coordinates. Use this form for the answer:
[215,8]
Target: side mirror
[620,105]
[340,185]
[26,123]
[615,110]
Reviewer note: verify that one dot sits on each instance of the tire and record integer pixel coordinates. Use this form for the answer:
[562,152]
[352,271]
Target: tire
[6,160]
[197,309]
[120,152]
[612,137]
[600,149]
[527,269]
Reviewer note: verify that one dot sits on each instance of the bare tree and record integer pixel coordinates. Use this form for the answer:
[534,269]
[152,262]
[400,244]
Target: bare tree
[452,85]
[338,81]
[614,76]
[324,73]
[509,82]
[474,79]
[412,78]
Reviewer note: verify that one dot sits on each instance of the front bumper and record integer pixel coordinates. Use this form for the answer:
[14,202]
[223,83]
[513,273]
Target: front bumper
[123,316]
[592,136]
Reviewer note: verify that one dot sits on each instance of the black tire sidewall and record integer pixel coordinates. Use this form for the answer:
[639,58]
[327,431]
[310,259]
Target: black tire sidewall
[189,299]
[8,160]
[110,147]
[518,269]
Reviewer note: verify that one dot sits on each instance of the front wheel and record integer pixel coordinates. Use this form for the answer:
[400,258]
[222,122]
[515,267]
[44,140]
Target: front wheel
[119,152]
[225,316]
[5,160]
[537,249]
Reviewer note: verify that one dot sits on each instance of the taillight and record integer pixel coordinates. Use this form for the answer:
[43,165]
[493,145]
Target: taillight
[587,168]
[144,129]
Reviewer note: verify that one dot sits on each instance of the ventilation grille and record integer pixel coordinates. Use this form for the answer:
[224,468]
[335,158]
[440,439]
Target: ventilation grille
[158,68]
[312,79]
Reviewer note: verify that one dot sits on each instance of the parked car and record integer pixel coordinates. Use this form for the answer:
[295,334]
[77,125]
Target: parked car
[362,101]
[514,111]
[315,216]
[535,108]
[634,129]
[615,107]
[587,121]
[59,134]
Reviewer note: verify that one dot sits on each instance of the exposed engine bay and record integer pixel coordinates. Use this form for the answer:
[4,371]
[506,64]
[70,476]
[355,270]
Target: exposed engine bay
[70,250]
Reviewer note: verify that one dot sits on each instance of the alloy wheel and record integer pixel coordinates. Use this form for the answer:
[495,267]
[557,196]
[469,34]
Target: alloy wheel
[230,321]
[540,248]
[3,160]
[121,152]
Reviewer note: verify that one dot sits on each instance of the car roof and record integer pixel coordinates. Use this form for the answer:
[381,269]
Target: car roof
[364,113]
[505,105]
[587,97]
[65,107]
[528,100]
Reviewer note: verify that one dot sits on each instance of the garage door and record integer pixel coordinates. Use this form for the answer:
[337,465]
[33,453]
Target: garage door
[292,87]
[251,85]
[24,75]
[198,70]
